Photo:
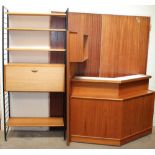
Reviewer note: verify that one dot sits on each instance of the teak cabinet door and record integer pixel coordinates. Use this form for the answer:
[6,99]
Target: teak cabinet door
[34,78]
[78,47]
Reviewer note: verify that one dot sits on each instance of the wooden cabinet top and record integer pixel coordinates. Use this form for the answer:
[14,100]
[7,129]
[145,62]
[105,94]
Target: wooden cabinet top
[122,79]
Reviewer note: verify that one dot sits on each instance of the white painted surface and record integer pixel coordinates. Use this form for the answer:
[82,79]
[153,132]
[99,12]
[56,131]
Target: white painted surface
[17,56]
[29,22]
[29,39]
[97,6]
[29,105]
[122,78]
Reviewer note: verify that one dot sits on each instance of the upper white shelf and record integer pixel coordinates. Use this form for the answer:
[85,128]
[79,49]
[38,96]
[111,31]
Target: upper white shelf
[61,14]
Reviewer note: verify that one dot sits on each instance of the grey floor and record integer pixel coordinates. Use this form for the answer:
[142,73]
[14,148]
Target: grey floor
[54,140]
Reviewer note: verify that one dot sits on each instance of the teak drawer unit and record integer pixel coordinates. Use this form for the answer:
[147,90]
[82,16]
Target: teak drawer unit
[34,77]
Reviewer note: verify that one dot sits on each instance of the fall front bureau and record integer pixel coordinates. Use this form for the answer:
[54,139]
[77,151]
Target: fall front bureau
[34,77]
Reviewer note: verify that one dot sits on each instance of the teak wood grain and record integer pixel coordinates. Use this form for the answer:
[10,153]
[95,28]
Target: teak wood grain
[124,45]
[112,122]
[36,49]
[118,46]
[91,25]
[114,41]
[98,118]
[34,77]
[37,122]
[78,47]
[35,29]
[103,89]
[60,14]
[137,114]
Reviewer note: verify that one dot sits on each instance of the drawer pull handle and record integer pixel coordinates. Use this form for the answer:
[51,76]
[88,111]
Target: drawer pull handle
[34,71]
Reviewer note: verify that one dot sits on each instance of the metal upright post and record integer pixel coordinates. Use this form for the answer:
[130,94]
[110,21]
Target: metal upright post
[8,59]
[65,61]
[5,36]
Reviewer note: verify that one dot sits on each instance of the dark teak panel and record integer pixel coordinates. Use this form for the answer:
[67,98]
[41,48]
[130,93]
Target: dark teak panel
[91,25]
[57,40]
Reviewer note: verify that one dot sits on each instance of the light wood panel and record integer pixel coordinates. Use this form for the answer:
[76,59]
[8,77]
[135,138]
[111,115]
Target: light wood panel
[33,65]
[124,45]
[35,122]
[35,29]
[36,77]
[36,49]
[61,14]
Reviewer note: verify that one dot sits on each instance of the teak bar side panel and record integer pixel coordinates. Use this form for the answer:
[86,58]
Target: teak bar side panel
[137,114]
[95,118]
[124,45]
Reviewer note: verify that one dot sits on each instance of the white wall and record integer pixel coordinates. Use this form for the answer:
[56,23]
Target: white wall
[93,6]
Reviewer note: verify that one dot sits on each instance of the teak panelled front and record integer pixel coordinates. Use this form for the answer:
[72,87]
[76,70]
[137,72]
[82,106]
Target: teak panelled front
[137,114]
[124,45]
[95,118]
[111,122]
[89,24]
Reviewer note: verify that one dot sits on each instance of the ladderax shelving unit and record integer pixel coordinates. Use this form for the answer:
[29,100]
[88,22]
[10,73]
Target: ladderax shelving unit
[33,32]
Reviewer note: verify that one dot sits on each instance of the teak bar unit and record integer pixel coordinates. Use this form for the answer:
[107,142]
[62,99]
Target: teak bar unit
[109,101]
[112,111]
[34,32]
[96,73]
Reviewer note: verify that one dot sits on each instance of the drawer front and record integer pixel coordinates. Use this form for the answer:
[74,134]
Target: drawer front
[49,79]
